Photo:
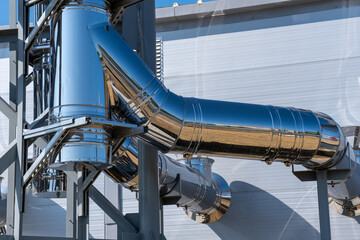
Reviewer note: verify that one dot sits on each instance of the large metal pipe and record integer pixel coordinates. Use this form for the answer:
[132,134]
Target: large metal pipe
[130,92]
[197,126]
[204,195]
[77,88]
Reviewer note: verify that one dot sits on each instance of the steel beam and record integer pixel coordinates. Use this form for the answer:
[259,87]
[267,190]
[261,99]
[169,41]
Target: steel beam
[44,154]
[13,31]
[7,110]
[40,120]
[111,210]
[323,203]
[21,97]
[68,124]
[149,197]
[90,178]
[71,205]
[82,208]
[41,23]
[8,156]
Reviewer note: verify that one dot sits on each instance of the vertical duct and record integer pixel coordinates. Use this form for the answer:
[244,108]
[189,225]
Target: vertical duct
[77,88]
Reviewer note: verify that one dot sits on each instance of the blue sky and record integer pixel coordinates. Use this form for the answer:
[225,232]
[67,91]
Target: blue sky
[4,7]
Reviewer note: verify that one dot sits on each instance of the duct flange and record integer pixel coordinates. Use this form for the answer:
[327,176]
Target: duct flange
[347,207]
[222,203]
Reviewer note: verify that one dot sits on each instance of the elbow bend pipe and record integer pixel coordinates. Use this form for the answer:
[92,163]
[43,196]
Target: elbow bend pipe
[217,128]
[204,195]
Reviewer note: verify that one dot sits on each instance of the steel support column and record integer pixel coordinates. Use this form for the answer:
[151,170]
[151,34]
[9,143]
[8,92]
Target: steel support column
[149,197]
[83,208]
[71,205]
[323,203]
[12,122]
[20,87]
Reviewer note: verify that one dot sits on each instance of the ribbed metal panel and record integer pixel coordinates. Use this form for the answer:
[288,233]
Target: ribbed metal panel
[159,59]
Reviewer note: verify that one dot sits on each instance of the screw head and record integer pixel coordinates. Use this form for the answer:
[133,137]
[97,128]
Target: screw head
[288,163]
[269,161]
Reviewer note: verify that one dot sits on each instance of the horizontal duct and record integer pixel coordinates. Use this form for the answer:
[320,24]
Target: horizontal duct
[217,128]
[190,184]
[197,126]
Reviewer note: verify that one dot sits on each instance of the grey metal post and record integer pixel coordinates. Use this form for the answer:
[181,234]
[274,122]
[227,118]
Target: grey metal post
[71,205]
[12,122]
[147,33]
[20,161]
[149,199]
[323,204]
[113,192]
[83,208]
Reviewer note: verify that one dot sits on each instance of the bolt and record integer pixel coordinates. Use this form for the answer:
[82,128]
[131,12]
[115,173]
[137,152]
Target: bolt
[288,163]
[269,161]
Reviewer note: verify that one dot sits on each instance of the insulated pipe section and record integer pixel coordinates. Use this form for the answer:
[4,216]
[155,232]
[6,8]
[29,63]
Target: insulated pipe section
[197,126]
[204,195]
[76,88]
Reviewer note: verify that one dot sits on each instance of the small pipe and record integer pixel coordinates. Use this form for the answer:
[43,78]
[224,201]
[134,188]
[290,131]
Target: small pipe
[204,195]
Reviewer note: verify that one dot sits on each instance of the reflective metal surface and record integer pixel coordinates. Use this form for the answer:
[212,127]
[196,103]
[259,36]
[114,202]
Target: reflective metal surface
[196,126]
[48,183]
[95,73]
[204,195]
[77,86]
[345,194]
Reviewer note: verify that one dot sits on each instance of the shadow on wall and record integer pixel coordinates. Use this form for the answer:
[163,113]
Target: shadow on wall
[45,217]
[256,214]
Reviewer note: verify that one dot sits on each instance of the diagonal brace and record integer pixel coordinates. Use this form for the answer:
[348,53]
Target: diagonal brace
[44,154]
[89,180]
[8,156]
[7,110]
[111,210]
[41,23]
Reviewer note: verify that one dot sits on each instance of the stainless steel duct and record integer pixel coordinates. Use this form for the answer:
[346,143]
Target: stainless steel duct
[131,93]
[197,126]
[77,88]
[204,195]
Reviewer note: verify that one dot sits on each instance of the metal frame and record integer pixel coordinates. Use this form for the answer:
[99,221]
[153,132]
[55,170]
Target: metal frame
[322,177]
[80,187]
